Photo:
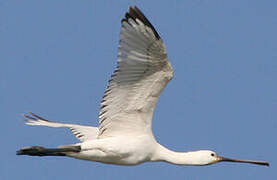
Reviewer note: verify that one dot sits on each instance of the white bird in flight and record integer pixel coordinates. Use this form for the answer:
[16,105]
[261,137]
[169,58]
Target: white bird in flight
[124,135]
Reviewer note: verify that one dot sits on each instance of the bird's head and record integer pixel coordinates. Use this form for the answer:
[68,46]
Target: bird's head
[206,157]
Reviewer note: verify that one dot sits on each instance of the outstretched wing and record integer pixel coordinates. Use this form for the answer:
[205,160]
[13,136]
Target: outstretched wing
[83,133]
[142,72]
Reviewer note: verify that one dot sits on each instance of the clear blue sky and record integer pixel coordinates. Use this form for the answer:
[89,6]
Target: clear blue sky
[57,56]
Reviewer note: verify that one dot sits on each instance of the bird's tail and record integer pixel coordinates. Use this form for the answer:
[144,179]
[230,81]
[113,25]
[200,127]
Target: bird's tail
[41,151]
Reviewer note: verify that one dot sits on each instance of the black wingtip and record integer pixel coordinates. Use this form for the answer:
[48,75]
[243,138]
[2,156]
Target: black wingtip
[135,13]
[38,117]
[33,116]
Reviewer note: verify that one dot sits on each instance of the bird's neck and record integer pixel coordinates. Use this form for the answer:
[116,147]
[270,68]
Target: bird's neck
[178,158]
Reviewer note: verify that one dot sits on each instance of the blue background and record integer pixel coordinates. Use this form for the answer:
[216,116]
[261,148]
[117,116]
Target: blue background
[57,56]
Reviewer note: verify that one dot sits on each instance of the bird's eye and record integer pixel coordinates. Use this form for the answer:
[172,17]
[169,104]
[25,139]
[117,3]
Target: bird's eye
[212,154]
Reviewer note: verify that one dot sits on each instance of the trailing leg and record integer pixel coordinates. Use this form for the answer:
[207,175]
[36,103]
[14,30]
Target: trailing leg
[41,151]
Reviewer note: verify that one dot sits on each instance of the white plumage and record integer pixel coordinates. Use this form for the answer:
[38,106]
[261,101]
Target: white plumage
[83,133]
[124,135]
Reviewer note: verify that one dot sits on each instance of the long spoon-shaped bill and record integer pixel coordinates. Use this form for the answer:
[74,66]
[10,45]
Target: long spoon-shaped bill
[264,163]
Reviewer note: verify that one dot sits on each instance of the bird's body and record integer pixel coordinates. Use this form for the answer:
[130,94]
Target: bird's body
[124,135]
[118,150]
